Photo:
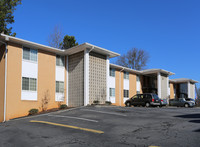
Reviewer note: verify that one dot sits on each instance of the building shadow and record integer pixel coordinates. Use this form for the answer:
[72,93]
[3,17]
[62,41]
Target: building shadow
[197,115]
[195,119]
[197,130]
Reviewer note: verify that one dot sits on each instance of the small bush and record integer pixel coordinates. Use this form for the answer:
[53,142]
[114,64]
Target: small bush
[33,111]
[95,102]
[63,106]
[108,103]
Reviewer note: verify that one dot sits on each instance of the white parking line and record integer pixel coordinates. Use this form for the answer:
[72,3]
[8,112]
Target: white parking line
[73,117]
[111,113]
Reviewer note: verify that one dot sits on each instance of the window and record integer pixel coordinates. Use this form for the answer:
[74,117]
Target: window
[138,78]
[29,54]
[147,96]
[29,84]
[59,87]
[60,60]
[126,93]
[135,97]
[138,92]
[33,84]
[141,96]
[126,75]
[112,72]
[112,92]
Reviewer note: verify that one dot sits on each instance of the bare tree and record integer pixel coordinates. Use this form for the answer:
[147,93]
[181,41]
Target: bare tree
[56,37]
[45,101]
[134,59]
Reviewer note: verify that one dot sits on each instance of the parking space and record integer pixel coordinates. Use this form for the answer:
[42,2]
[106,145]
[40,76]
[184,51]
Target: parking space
[105,126]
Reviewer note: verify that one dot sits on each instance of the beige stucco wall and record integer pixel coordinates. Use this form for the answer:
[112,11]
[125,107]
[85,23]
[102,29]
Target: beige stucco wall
[119,87]
[122,90]
[171,90]
[46,82]
[141,84]
[2,81]
[117,93]
[132,85]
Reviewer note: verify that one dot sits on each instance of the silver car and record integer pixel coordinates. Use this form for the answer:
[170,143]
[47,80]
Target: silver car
[181,102]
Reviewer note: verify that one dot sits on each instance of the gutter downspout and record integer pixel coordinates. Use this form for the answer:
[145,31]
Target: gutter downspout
[91,49]
[120,97]
[4,117]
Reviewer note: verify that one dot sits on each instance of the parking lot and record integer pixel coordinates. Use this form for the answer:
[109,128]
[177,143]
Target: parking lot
[105,126]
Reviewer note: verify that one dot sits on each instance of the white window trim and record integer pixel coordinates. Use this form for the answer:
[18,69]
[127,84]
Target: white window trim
[29,91]
[60,99]
[29,77]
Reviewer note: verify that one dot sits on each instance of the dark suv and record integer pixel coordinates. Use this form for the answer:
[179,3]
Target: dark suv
[146,99]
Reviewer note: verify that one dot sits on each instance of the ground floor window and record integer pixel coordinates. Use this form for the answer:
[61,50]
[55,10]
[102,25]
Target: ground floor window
[112,92]
[59,87]
[138,92]
[126,93]
[29,84]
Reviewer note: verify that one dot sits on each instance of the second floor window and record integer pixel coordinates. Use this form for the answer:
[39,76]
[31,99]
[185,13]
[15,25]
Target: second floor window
[138,78]
[60,60]
[126,75]
[112,72]
[29,54]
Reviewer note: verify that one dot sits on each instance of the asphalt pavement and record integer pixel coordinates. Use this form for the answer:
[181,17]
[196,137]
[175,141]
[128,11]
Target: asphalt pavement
[105,126]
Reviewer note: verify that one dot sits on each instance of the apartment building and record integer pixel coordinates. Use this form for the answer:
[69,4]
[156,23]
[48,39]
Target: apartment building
[31,74]
[125,83]
[182,88]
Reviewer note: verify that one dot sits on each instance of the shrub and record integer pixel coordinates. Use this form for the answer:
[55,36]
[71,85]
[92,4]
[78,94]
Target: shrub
[96,102]
[33,111]
[63,106]
[108,103]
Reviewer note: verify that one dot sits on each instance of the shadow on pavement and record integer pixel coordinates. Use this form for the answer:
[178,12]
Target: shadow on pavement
[197,115]
[195,121]
[189,116]
[197,130]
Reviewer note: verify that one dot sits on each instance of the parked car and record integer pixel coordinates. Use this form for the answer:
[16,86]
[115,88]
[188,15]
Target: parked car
[146,99]
[191,100]
[164,102]
[181,102]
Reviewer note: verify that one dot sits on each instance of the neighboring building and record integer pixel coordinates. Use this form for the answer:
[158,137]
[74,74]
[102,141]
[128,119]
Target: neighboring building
[182,88]
[125,83]
[32,74]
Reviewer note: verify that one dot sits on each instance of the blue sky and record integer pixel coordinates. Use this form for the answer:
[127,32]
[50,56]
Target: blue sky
[168,29]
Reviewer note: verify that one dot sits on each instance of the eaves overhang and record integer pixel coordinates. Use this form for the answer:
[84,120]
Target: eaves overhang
[122,68]
[182,80]
[69,51]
